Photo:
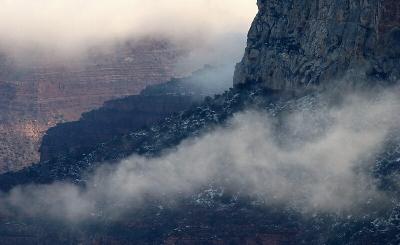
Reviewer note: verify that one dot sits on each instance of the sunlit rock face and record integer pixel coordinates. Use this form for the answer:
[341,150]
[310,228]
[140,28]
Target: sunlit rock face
[36,97]
[306,43]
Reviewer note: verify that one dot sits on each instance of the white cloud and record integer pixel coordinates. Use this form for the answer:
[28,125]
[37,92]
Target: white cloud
[66,25]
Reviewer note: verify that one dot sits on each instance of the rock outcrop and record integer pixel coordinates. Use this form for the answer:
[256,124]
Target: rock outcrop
[306,43]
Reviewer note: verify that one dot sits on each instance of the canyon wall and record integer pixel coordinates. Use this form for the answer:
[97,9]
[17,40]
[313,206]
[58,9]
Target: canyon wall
[308,43]
[115,118]
[125,115]
[33,99]
[291,48]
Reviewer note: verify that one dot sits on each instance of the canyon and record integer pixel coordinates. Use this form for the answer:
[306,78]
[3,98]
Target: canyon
[36,97]
[297,51]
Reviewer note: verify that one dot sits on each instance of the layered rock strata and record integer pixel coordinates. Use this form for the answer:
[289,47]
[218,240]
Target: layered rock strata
[33,99]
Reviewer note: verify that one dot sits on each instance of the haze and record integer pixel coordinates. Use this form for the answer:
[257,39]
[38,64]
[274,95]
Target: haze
[68,26]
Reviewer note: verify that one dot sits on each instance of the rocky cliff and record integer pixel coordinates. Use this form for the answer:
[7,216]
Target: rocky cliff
[121,116]
[115,118]
[33,99]
[307,43]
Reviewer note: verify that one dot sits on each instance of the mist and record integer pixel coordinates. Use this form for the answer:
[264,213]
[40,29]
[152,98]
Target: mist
[67,28]
[312,160]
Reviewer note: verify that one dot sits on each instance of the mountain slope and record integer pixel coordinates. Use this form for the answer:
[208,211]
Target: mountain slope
[197,217]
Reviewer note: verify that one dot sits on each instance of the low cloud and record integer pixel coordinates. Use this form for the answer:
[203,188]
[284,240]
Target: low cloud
[313,159]
[68,27]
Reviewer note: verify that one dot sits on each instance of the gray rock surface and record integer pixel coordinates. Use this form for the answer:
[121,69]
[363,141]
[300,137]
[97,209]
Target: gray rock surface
[296,44]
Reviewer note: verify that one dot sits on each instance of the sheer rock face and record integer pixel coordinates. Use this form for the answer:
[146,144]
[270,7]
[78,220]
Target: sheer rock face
[295,44]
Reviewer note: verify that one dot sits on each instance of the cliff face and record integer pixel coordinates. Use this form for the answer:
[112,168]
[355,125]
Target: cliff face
[53,89]
[125,70]
[113,119]
[121,116]
[306,43]
[33,99]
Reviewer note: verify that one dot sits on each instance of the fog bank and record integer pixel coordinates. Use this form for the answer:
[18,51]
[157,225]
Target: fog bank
[314,164]
[68,27]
